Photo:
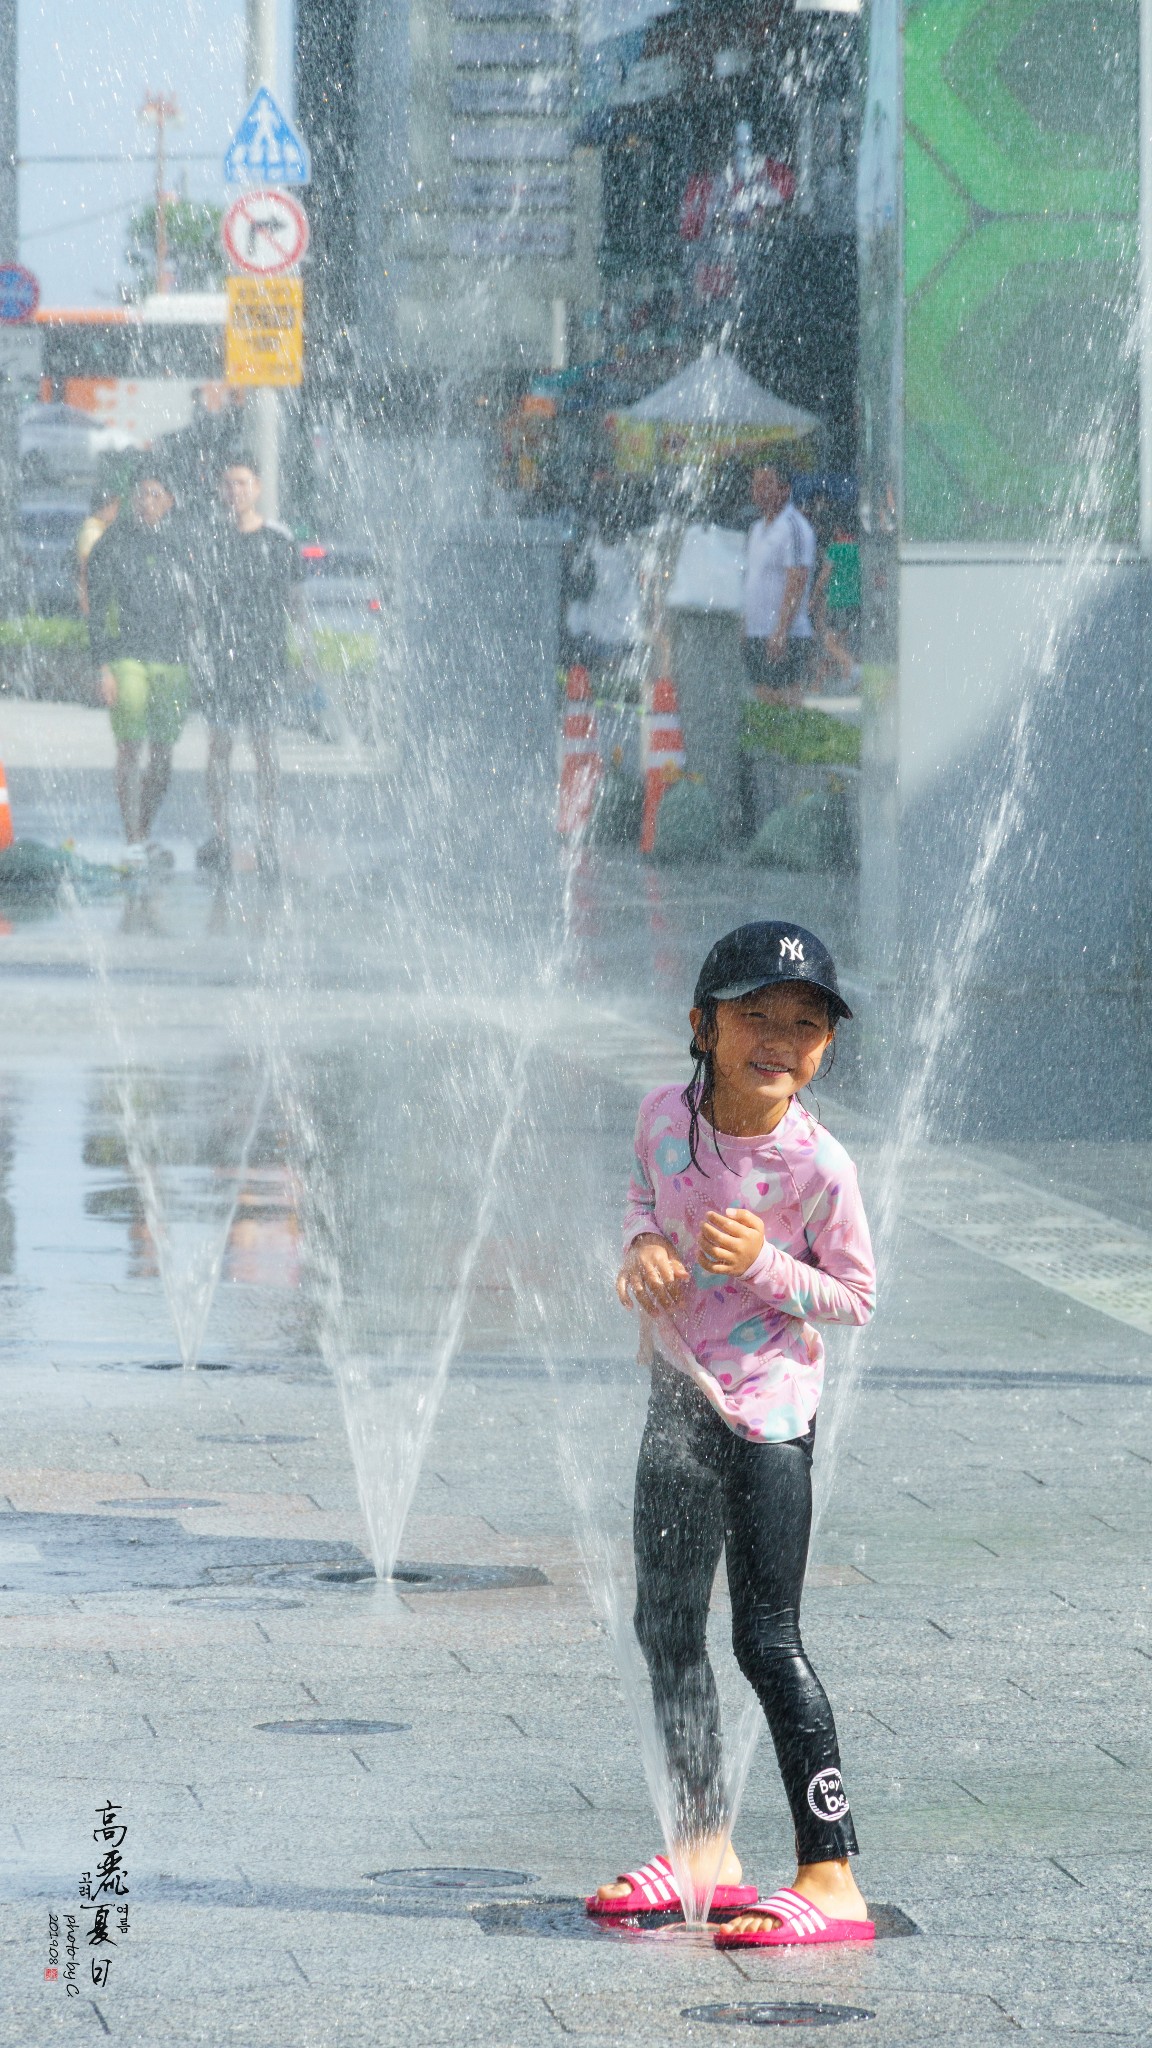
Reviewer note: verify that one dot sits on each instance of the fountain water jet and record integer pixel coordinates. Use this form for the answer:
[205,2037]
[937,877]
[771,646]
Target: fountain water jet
[597,1470]
[562,1194]
[965,931]
[188,1127]
[188,1191]
[402,1121]
[401,1197]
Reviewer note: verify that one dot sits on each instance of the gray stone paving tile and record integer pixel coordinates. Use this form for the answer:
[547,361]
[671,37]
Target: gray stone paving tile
[1025,1884]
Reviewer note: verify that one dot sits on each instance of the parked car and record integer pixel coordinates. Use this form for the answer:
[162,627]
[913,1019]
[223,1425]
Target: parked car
[345,643]
[47,553]
[60,446]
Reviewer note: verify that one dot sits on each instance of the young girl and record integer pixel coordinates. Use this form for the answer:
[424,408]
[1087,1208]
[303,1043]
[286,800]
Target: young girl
[744,1228]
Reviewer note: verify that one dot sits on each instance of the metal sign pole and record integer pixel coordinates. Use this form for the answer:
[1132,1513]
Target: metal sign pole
[12,595]
[1146,279]
[260,21]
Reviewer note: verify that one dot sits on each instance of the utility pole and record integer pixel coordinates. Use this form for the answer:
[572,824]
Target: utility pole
[159,108]
[1146,279]
[12,594]
[260,22]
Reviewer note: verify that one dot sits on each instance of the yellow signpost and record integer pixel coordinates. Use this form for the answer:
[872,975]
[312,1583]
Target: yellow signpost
[264,337]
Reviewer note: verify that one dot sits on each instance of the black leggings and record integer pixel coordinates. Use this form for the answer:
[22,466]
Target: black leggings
[700,1488]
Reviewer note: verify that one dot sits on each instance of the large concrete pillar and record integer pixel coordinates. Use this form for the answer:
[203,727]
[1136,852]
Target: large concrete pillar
[11,595]
[1006,816]
[455,210]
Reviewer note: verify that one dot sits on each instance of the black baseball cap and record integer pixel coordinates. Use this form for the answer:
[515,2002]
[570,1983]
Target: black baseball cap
[756,955]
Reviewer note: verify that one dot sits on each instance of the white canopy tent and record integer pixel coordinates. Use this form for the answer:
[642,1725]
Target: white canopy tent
[715,392]
[707,412]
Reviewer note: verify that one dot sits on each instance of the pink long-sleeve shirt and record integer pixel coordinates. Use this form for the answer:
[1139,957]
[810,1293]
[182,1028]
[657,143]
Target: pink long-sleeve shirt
[749,1343]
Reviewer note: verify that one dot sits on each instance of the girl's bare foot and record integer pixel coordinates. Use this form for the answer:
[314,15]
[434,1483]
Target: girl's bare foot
[701,1861]
[831,1886]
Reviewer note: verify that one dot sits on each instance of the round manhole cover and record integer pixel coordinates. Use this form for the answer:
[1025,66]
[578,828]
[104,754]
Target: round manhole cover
[774,2014]
[333,1727]
[444,1877]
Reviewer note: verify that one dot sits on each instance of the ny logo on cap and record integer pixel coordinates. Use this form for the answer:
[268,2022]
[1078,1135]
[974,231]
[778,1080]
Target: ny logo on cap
[792,949]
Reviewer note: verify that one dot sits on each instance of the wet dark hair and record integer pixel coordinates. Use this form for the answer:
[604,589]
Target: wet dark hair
[242,460]
[700,1093]
[701,1088]
[149,473]
[782,469]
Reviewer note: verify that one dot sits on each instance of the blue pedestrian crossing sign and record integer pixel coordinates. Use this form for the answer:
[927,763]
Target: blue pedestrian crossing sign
[266,149]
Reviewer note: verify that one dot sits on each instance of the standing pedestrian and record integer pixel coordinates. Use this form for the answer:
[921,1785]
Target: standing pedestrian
[779,568]
[245,582]
[105,509]
[831,591]
[138,630]
[744,1230]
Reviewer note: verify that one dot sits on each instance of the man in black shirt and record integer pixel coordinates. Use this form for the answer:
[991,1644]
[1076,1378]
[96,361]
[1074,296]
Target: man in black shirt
[138,630]
[246,593]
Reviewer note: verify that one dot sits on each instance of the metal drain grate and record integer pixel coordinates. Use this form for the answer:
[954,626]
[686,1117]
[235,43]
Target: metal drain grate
[431,1578]
[333,1727]
[175,1365]
[363,1574]
[1074,1250]
[449,1877]
[890,1921]
[775,2014]
[568,1920]
[441,1578]
[555,1920]
[565,1919]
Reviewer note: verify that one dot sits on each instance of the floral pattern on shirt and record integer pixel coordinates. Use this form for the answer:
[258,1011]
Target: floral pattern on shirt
[750,1343]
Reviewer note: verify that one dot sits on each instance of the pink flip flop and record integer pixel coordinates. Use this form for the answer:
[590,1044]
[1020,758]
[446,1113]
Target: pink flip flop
[802,1924]
[654,1890]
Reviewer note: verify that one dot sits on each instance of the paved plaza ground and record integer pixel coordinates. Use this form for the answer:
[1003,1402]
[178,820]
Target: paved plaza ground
[977,1601]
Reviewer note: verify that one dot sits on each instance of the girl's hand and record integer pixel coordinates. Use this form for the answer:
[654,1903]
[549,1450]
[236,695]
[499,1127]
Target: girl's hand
[108,688]
[732,1242]
[652,1276]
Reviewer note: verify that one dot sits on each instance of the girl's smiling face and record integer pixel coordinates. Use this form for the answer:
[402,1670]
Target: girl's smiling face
[765,1047]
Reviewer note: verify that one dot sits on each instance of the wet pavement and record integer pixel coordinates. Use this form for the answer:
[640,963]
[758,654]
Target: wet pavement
[359,1813]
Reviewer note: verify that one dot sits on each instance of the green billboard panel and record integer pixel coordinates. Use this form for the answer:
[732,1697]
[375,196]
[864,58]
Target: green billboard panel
[1021,262]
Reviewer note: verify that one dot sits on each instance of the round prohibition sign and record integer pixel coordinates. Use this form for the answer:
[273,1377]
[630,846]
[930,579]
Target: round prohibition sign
[19,294]
[264,233]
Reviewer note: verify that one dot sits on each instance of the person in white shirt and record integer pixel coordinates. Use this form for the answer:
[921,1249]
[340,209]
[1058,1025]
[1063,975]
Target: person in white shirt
[778,573]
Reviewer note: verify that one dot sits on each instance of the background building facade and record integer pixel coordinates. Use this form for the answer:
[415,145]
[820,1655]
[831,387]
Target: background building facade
[457,217]
[1003,440]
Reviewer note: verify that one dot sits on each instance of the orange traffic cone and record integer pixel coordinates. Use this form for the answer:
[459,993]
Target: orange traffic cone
[664,758]
[581,768]
[6,833]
